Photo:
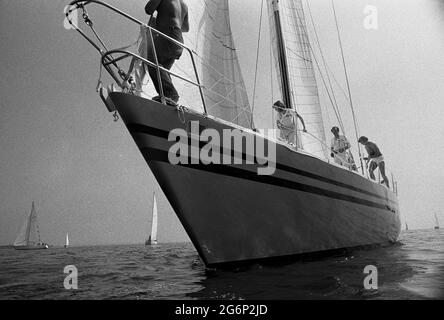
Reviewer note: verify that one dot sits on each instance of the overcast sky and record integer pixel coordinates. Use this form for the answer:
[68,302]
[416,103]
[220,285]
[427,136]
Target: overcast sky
[60,147]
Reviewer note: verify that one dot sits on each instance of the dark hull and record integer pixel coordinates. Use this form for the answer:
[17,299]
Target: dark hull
[30,247]
[233,215]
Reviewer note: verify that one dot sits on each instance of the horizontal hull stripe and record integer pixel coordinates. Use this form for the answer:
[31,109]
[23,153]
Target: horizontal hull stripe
[138,128]
[152,154]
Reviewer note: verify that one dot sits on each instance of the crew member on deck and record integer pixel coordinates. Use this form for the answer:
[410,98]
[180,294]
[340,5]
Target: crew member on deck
[339,146]
[286,122]
[374,159]
[171,20]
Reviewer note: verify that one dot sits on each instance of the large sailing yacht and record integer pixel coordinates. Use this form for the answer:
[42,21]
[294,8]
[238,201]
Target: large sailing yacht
[232,214]
[29,235]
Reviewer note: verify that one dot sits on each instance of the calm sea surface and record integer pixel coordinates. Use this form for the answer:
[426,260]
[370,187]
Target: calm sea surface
[410,269]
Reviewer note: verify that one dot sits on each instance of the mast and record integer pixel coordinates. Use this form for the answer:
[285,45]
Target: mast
[293,57]
[282,57]
[28,229]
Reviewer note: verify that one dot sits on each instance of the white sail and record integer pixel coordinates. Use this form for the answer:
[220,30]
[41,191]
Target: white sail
[67,240]
[29,233]
[21,239]
[217,63]
[301,76]
[436,222]
[154,221]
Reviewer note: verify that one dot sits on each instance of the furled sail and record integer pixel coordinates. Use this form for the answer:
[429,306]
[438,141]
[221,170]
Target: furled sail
[217,63]
[154,221]
[300,76]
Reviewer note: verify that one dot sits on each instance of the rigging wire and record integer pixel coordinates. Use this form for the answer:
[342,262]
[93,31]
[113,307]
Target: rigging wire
[337,111]
[348,84]
[257,61]
[272,87]
[310,47]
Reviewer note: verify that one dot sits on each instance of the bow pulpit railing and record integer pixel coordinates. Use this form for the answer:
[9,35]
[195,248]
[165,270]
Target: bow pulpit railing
[110,59]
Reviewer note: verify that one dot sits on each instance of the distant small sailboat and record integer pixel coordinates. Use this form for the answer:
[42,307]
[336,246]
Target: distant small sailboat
[152,239]
[67,241]
[436,222]
[406,226]
[29,235]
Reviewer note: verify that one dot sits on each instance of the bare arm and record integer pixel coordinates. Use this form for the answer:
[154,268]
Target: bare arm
[185,24]
[302,121]
[346,145]
[152,6]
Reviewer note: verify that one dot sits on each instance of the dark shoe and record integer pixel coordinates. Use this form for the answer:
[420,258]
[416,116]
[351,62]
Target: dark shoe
[385,182]
[157,98]
[170,102]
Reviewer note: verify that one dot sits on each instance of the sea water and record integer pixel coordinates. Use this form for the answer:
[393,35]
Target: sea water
[413,268]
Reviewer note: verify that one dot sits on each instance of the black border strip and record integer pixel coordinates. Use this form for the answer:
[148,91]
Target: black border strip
[139,128]
[152,154]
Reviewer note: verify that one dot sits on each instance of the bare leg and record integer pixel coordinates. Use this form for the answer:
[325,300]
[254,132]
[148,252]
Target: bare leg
[382,170]
[372,168]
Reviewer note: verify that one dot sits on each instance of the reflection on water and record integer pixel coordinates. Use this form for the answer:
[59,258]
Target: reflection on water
[411,269]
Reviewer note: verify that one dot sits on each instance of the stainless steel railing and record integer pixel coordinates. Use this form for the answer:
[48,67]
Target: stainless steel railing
[110,62]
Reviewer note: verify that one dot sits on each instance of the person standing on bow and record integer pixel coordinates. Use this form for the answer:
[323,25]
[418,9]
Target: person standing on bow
[374,159]
[171,20]
[340,148]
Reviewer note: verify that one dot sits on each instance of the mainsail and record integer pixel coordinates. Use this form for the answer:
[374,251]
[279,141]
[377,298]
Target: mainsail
[29,233]
[217,63]
[296,59]
[153,235]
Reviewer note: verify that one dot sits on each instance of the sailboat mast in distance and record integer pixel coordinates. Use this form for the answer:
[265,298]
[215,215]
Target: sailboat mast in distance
[152,239]
[29,235]
[436,222]
[154,223]
[66,241]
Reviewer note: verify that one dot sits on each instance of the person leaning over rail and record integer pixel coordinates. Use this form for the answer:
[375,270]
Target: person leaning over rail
[171,20]
[286,122]
[374,159]
[340,150]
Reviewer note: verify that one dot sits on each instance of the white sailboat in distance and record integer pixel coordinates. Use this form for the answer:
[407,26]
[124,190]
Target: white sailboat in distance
[66,241]
[29,235]
[436,222]
[152,239]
